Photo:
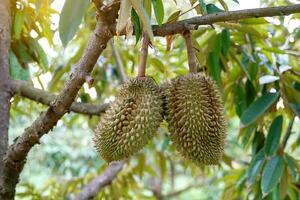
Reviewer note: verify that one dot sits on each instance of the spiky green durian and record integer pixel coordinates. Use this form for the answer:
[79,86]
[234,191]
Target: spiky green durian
[131,121]
[196,119]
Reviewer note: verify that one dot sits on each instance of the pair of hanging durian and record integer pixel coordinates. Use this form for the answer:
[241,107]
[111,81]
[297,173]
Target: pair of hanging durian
[191,105]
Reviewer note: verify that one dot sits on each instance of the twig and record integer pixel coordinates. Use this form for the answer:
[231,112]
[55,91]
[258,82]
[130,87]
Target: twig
[190,52]
[24,89]
[143,56]
[90,190]
[119,63]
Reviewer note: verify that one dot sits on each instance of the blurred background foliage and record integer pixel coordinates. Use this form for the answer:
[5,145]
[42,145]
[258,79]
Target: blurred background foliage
[255,62]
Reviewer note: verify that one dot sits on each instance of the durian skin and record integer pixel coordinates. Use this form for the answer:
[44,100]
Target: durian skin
[195,114]
[131,121]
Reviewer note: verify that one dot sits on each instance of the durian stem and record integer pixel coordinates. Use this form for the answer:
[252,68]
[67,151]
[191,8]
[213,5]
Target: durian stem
[190,52]
[143,56]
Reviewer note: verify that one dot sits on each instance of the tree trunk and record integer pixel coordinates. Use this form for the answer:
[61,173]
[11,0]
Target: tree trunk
[5,89]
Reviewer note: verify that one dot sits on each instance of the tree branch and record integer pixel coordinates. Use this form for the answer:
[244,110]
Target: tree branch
[24,89]
[193,23]
[92,189]
[5,88]
[16,155]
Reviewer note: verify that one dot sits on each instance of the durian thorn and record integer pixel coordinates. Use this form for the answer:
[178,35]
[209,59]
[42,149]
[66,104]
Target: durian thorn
[190,51]
[143,56]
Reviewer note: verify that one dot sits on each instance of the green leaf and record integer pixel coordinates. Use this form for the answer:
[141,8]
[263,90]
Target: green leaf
[214,68]
[273,137]
[211,8]
[70,19]
[17,72]
[18,23]
[158,11]
[174,16]
[136,25]
[258,108]
[240,101]
[236,1]
[157,64]
[225,37]
[255,167]
[253,21]
[296,108]
[291,164]
[39,53]
[144,17]
[271,174]
[148,7]
[203,7]
[217,48]
[250,92]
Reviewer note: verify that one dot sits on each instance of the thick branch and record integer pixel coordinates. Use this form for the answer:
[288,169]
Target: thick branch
[17,152]
[92,189]
[194,22]
[24,89]
[5,93]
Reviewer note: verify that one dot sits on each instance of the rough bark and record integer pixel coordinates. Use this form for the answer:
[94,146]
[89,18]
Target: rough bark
[5,93]
[92,189]
[16,154]
[233,16]
[26,90]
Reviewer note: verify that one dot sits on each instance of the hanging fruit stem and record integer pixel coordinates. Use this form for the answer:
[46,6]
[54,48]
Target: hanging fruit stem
[190,52]
[143,56]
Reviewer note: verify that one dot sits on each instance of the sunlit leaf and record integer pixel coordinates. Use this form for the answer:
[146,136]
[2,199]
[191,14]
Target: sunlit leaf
[157,64]
[143,16]
[158,7]
[124,16]
[271,174]
[253,21]
[273,137]
[70,19]
[258,108]
[39,53]
[174,16]
[18,23]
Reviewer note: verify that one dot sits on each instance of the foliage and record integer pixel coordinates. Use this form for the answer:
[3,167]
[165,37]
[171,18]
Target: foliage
[255,62]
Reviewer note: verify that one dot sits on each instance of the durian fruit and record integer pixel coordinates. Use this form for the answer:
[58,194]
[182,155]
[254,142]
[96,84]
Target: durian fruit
[196,118]
[131,121]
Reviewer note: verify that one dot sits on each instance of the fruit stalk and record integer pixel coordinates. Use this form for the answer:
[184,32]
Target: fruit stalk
[143,56]
[190,52]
